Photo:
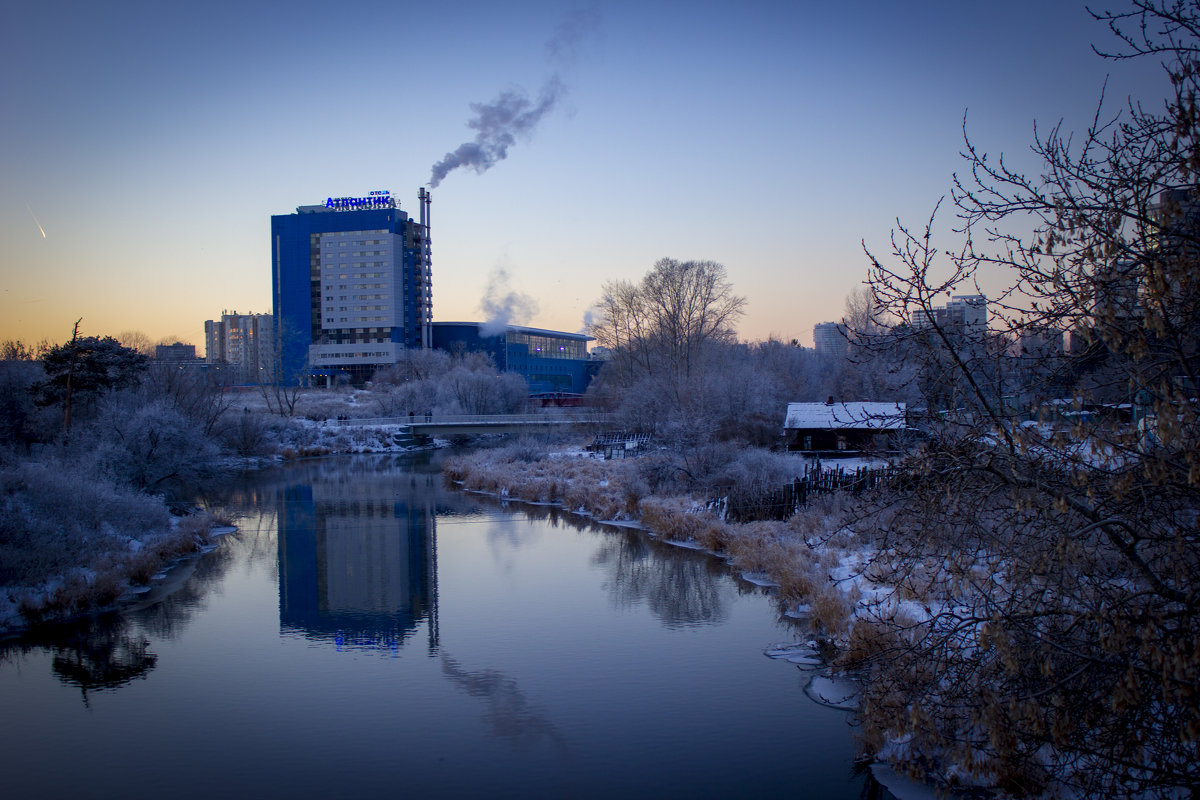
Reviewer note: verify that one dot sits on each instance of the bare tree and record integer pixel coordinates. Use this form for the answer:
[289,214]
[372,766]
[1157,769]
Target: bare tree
[189,391]
[624,330]
[278,382]
[16,350]
[658,334]
[137,340]
[664,323]
[1055,548]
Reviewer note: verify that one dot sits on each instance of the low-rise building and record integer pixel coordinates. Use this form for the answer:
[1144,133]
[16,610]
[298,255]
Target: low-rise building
[550,361]
[842,427]
[175,352]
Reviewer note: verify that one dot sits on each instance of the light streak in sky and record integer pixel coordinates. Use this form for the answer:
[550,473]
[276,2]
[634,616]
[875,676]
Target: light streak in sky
[35,221]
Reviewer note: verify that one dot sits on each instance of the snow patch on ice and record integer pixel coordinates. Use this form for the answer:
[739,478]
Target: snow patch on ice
[802,654]
[801,611]
[626,523]
[759,579]
[833,692]
[902,787]
[685,544]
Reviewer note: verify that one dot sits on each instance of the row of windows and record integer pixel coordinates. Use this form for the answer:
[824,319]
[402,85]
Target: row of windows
[357,318]
[361,331]
[330,264]
[330,257]
[329,298]
[381,354]
[545,346]
[344,275]
[329,287]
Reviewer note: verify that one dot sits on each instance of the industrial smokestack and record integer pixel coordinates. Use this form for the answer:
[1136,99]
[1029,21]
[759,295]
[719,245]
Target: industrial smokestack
[424,198]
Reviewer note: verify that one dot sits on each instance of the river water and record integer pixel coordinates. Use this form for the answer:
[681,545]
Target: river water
[370,631]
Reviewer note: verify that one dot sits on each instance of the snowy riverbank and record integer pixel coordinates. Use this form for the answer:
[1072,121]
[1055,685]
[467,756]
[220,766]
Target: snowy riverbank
[811,560]
[111,567]
[823,565]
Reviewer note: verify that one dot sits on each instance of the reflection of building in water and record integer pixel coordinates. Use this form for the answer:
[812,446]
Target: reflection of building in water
[357,562]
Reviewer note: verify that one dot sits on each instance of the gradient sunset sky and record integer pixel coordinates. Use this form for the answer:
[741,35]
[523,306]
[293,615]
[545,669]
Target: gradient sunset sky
[145,145]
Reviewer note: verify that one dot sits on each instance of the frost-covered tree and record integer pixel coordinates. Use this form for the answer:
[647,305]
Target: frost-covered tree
[664,323]
[436,381]
[1054,637]
[145,442]
[86,367]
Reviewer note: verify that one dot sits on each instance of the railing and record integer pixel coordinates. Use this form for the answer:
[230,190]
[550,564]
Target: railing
[565,417]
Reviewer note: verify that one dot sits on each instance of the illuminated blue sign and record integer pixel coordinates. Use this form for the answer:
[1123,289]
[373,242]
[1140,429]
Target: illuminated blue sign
[373,200]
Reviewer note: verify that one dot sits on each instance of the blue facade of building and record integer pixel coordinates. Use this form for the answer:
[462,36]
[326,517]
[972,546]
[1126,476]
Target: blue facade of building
[354,309]
[550,361]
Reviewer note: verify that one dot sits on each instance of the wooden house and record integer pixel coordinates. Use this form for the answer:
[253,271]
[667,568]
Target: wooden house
[842,427]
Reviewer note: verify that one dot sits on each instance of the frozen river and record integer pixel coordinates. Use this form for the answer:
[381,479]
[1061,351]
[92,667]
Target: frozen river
[369,632]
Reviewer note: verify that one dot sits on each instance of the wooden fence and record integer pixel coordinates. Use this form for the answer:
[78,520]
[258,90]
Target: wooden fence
[619,444]
[779,503]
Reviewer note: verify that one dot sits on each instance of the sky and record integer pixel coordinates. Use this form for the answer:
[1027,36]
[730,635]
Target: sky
[145,145]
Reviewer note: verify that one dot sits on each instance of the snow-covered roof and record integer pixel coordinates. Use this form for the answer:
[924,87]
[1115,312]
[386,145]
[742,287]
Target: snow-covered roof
[862,416]
[524,329]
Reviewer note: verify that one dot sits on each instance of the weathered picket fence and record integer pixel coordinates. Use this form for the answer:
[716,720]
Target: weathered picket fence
[745,504]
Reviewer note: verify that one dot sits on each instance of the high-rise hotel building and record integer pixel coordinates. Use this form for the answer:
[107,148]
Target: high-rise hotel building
[351,283]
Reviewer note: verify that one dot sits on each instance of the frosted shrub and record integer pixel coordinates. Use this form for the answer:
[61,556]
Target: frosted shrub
[705,462]
[825,517]
[527,451]
[145,443]
[246,433]
[757,469]
[831,610]
[54,518]
[672,518]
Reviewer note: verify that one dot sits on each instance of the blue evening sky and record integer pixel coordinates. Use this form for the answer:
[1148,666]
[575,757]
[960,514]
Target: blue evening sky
[152,141]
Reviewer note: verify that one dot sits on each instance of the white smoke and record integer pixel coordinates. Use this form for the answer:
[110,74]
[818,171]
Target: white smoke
[502,306]
[590,317]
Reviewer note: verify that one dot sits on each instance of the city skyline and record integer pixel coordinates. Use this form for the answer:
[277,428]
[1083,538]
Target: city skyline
[146,147]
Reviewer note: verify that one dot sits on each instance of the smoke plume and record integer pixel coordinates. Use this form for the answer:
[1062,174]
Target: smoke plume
[514,114]
[590,318]
[497,125]
[565,45]
[502,306]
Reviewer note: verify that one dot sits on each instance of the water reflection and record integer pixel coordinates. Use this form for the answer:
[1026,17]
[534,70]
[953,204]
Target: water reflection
[102,656]
[165,611]
[563,670]
[358,557]
[509,713]
[679,589]
[108,651]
